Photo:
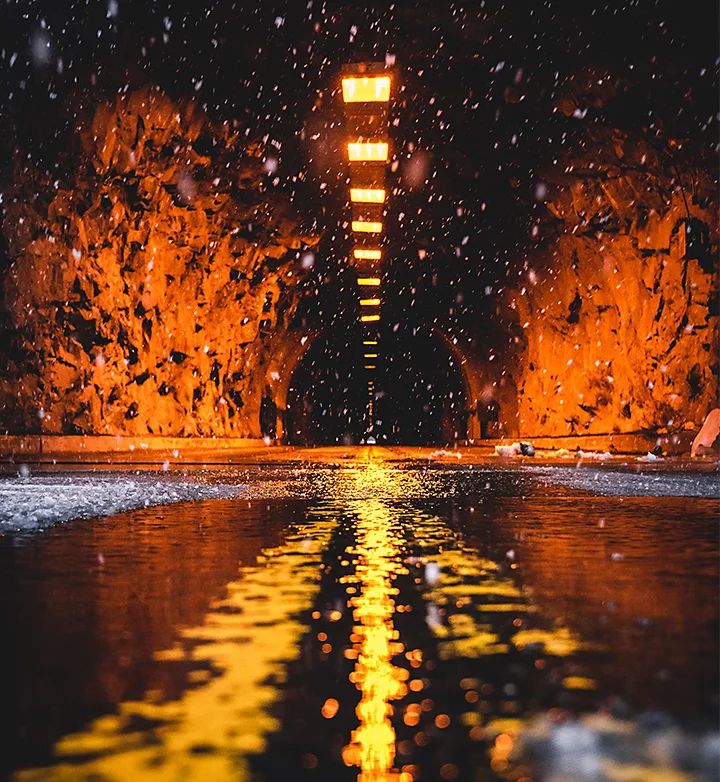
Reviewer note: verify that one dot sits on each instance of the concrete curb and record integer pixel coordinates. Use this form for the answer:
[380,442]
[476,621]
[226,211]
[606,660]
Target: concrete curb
[86,447]
[155,449]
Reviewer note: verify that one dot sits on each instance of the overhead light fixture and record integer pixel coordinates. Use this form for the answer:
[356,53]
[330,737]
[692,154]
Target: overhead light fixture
[367,255]
[369,318]
[367,226]
[370,355]
[369,302]
[366,89]
[359,152]
[367,195]
[370,342]
[371,281]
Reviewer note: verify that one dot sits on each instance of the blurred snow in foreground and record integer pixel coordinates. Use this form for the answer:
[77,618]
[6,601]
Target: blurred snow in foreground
[37,502]
[600,748]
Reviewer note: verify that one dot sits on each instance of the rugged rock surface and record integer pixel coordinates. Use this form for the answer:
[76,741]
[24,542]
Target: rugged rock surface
[618,304]
[151,282]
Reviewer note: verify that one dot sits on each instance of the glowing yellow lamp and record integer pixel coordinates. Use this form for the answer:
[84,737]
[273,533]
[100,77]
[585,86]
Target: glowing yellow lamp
[367,195]
[370,355]
[370,342]
[369,302]
[367,226]
[369,318]
[369,366]
[366,89]
[371,281]
[372,151]
[367,255]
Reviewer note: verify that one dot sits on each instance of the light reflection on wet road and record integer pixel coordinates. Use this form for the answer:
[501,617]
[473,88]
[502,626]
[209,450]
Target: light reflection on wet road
[397,623]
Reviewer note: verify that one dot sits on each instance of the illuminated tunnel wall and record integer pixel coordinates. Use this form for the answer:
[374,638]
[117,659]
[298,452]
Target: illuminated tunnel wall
[156,282]
[153,279]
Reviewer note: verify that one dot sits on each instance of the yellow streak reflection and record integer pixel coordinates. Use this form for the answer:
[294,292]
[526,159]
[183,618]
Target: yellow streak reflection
[372,745]
[248,638]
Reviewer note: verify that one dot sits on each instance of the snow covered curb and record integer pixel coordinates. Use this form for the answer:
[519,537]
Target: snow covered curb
[36,503]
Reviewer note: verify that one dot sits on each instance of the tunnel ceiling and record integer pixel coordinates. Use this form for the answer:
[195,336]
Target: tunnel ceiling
[554,213]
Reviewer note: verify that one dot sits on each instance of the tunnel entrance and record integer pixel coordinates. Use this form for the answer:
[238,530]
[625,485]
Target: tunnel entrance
[420,396]
[326,403]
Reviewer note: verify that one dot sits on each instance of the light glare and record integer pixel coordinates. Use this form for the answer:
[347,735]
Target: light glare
[367,255]
[373,151]
[367,226]
[367,195]
[366,89]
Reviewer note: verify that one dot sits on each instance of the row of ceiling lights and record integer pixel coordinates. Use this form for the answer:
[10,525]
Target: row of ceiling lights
[366,94]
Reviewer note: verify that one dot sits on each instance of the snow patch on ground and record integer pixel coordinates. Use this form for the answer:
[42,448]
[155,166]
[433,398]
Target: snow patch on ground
[650,457]
[563,453]
[516,449]
[34,503]
[442,454]
[614,483]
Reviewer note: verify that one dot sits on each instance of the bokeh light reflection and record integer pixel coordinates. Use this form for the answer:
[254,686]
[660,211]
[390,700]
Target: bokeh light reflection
[372,746]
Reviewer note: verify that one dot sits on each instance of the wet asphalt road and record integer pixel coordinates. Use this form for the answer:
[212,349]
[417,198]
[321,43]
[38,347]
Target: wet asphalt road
[372,616]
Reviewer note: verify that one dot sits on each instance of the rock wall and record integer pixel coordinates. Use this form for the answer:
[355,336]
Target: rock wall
[618,302]
[151,282]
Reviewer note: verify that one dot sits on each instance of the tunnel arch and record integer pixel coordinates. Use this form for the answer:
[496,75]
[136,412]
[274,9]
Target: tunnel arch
[488,389]
[454,388]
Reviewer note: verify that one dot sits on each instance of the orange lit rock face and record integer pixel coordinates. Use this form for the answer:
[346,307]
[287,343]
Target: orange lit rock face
[618,306]
[153,284]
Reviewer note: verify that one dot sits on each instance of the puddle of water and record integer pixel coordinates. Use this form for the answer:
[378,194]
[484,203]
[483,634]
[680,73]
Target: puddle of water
[400,626]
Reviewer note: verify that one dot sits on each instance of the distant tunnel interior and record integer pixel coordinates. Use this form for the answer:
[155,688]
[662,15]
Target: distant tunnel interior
[420,396]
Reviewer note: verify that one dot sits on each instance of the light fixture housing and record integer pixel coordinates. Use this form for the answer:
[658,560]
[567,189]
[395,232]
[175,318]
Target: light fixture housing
[364,254]
[361,152]
[366,89]
[367,195]
[367,226]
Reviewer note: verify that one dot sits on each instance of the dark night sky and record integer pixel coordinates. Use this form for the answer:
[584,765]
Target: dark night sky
[474,102]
